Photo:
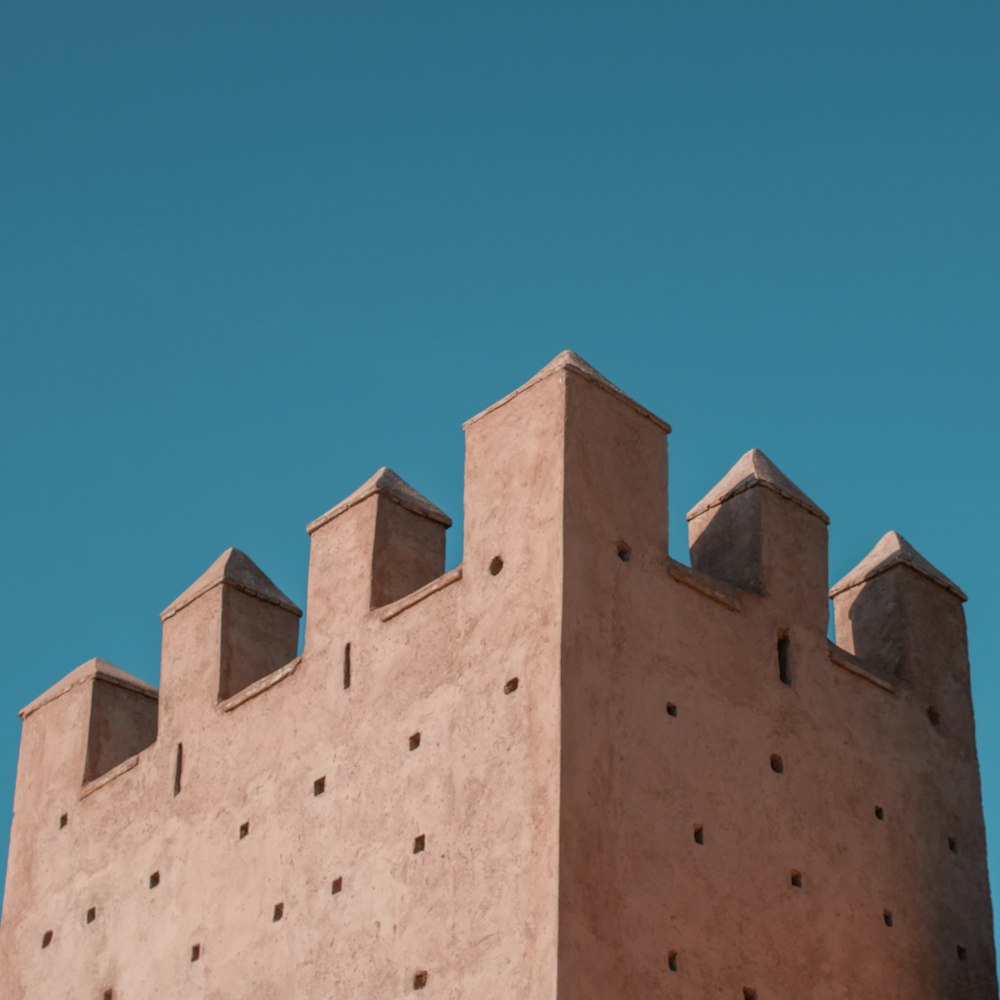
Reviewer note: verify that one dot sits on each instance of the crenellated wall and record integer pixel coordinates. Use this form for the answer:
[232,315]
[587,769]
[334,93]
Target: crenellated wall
[570,768]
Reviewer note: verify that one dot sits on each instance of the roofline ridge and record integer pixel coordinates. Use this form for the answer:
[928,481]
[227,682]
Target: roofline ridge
[571,361]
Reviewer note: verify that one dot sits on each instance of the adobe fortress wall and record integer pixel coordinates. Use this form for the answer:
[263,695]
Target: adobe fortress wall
[571,767]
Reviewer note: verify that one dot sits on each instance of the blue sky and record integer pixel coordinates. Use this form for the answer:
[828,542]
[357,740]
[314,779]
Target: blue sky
[251,252]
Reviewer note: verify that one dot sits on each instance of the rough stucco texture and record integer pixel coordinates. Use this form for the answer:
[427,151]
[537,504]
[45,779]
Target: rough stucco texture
[571,769]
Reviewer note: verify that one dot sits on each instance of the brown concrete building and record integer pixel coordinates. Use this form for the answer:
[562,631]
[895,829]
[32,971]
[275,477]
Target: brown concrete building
[570,768]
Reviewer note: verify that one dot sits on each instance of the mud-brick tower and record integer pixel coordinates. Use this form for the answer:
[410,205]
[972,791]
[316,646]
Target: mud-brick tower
[569,769]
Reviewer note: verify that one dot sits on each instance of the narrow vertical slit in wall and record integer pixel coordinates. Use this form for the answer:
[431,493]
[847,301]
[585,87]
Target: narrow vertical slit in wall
[63,820]
[195,952]
[672,961]
[91,914]
[319,786]
[46,939]
[496,564]
[887,917]
[953,845]
[777,764]
[879,812]
[337,886]
[699,834]
[154,880]
[244,830]
[419,843]
[109,995]
[934,716]
[347,665]
[671,709]
[797,879]
[962,953]
[279,912]
[784,667]
[420,980]
[178,767]
[414,741]
[749,994]
[511,686]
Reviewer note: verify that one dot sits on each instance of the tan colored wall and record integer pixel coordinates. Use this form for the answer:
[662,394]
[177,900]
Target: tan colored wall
[559,859]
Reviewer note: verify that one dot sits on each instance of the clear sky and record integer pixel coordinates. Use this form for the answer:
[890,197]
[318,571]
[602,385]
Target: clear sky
[251,252]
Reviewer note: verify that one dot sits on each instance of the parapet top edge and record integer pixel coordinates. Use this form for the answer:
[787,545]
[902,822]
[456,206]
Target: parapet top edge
[90,671]
[236,585]
[701,508]
[852,664]
[568,361]
[722,593]
[445,580]
[258,687]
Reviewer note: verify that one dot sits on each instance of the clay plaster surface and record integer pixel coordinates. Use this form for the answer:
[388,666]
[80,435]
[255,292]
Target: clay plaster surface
[568,769]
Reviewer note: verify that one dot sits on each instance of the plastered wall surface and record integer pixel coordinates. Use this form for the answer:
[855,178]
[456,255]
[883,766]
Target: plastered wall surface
[570,768]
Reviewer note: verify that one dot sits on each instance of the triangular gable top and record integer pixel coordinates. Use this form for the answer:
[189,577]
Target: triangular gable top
[235,569]
[96,669]
[894,550]
[755,469]
[571,361]
[386,482]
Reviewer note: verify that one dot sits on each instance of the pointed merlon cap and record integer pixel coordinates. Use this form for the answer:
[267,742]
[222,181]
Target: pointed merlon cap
[894,550]
[391,486]
[755,469]
[237,570]
[96,669]
[571,361]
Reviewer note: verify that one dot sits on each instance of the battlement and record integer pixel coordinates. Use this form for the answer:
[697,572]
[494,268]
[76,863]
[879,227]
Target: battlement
[520,714]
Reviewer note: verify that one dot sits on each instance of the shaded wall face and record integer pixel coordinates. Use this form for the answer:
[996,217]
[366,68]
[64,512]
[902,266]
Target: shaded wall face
[726,542]
[122,723]
[259,637]
[724,831]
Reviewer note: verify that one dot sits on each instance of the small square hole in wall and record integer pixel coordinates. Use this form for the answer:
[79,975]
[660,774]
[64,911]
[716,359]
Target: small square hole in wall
[699,834]
[419,980]
[672,961]
[337,885]
[749,993]
[63,820]
[109,995]
[511,686]
[279,911]
[414,741]
[887,917]
[624,553]
[154,880]
[244,830]
[962,953]
[777,764]
[46,939]
[319,786]
[796,879]
[671,709]
[195,952]
[879,812]
[953,845]
[419,843]
[91,914]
